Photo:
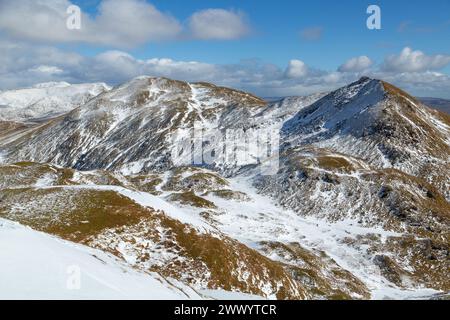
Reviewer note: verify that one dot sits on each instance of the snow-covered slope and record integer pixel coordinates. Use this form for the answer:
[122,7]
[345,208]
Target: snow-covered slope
[35,265]
[46,100]
[145,231]
[133,127]
[334,220]
[377,122]
[339,231]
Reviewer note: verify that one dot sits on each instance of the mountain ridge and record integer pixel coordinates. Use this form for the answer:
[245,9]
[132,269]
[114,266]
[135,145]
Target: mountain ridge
[45,100]
[361,179]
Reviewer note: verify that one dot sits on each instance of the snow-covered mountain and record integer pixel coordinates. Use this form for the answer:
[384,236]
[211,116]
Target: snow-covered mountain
[132,127]
[374,121]
[46,100]
[358,207]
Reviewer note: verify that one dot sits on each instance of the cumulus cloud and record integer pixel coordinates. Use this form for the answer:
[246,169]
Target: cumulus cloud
[218,24]
[134,22]
[296,69]
[20,61]
[23,64]
[414,61]
[356,64]
[420,84]
[312,33]
[119,23]
[47,69]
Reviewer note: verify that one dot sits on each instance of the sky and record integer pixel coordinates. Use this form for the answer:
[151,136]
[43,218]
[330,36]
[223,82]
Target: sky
[270,48]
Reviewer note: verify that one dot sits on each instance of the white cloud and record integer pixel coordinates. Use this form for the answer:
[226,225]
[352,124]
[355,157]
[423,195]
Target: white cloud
[421,84]
[356,64]
[24,64]
[118,23]
[218,24]
[47,69]
[133,22]
[414,61]
[121,23]
[296,69]
[180,69]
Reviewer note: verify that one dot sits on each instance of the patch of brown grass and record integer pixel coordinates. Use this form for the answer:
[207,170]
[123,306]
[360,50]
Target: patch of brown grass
[191,199]
[224,257]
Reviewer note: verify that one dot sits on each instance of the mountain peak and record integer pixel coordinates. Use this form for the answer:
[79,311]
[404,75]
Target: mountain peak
[375,121]
[356,109]
[394,91]
[367,79]
[145,90]
[388,88]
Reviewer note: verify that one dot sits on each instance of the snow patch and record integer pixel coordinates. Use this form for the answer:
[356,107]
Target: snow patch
[2,157]
[45,181]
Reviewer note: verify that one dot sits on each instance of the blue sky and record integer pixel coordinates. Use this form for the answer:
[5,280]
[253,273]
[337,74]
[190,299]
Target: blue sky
[276,28]
[302,44]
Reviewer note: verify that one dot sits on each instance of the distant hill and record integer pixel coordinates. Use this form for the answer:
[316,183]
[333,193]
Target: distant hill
[440,104]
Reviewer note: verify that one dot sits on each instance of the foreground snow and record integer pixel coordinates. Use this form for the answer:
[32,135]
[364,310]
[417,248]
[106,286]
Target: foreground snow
[38,266]
[265,221]
[35,265]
